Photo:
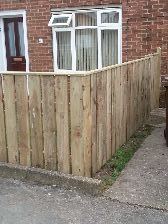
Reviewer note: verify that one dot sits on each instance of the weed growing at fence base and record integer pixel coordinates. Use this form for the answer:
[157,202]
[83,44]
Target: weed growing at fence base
[112,169]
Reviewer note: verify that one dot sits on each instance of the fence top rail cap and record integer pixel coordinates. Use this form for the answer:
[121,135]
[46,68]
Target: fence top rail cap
[58,73]
[78,73]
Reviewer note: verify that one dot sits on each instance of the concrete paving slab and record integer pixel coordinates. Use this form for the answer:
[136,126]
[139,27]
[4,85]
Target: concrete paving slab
[22,203]
[144,181]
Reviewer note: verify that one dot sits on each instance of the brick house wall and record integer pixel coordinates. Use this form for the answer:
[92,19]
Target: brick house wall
[145,27]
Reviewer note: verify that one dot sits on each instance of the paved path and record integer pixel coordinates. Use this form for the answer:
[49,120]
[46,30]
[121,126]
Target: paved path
[138,197]
[26,204]
[145,179]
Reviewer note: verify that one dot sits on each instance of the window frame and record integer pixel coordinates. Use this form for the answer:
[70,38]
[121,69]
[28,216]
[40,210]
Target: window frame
[109,24]
[99,27]
[69,18]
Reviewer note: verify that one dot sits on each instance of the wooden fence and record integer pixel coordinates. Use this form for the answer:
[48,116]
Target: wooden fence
[74,123]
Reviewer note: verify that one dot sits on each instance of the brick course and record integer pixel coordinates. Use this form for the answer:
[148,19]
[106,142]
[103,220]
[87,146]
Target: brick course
[145,27]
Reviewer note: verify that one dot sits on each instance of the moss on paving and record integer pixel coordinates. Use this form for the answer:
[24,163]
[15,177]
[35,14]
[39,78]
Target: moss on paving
[112,169]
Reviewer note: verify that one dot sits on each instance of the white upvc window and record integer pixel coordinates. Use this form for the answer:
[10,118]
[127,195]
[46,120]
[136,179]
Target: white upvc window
[60,20]
[84,40]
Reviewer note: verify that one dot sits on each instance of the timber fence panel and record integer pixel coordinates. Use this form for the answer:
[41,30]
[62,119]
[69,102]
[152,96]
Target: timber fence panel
[75,122]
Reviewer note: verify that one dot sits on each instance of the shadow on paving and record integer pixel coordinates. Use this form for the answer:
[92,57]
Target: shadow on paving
[144,181]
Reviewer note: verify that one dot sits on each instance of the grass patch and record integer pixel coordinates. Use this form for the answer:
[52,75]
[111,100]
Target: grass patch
[112,169]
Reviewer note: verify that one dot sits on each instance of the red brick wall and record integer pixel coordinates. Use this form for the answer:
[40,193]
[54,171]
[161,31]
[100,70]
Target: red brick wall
[145,27]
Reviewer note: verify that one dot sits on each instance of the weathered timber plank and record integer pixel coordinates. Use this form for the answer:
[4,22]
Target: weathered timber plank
[49,122]
[80,125]
[129,67]
[113,125]
[87,125]
[133,96]
[22,114]
[3,148]
[101,119]
[109,114]
[62,123]
[94,122]
[118,106]
[141,93]
[10,119]
[35,113]
[137,95]
[76,108]
[124,108]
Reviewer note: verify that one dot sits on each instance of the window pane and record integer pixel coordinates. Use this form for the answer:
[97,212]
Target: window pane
[60,20]
[110,17]
[21,39]
[11,37]
[86,19]
[109,39]
[86,49]
[64,57]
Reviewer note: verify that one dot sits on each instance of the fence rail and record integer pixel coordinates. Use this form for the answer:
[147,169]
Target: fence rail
[74,123]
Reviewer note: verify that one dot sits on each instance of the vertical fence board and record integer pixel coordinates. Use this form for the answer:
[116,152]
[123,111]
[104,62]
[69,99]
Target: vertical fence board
[109,114]
[10,118]
[87,125]
[124,106]
[22,119]
[134,99]
[94,122]
[35,113]
[80,125]
[121,123]
[129,104]
[143,90]
[118,106]
[158,75]
[101,119]
[113,122]
[76,106]
[49,122]
[152,93]
[3,149]
[148,109]
[156,80]
[136,94]
[62,121]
